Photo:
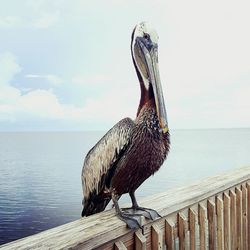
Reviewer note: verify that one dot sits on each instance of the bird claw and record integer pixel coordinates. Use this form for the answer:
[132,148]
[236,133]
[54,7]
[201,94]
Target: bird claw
[131,221]
[153,213]
[133,212]
[146,212]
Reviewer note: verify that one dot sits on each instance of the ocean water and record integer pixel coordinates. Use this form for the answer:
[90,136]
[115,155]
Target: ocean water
[40,184]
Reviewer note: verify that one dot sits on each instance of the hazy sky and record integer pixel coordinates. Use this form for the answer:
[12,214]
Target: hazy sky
[66,65]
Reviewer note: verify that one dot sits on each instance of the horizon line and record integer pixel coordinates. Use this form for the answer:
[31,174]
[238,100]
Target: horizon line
[103,130]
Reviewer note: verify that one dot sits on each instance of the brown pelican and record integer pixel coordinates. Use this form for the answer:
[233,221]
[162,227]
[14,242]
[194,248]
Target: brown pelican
[132,150]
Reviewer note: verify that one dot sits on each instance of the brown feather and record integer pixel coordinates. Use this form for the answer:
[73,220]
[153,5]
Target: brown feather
[123,159]
[145,154]
[99,164]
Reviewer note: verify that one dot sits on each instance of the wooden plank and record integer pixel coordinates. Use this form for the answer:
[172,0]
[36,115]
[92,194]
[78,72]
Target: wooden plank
[156,234]
[244,216]
[233,219]
[226,217]
[220,231]
[182,230]
[140,241]
[239,217]
[192,228]
[105,228]
[211,224]
[169,236]
[248,213]
[120,246]
[202,226]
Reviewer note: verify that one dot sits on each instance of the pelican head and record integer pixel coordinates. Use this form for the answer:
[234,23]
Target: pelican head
[144,48]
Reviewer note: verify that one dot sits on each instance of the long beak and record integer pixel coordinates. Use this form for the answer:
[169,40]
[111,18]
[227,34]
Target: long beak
[150,53]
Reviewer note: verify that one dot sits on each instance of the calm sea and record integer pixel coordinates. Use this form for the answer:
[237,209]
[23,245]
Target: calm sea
[40,184]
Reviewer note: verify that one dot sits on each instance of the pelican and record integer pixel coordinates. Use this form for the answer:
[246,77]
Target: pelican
[132,150]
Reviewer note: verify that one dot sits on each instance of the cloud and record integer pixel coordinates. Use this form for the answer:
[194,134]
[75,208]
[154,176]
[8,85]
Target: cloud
[203,54]
[96,79]
[112,106]
[46,20]
[34,104]
[10,21]
[40,14]
[8,94]
[53,79]
[38,104]
[8,68]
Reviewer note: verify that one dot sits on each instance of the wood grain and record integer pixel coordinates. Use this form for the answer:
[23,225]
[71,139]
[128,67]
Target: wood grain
[192,228]
[120,246]
[140,241]
[220,229]
[103,230]
[239,243]
[170,239]
[248,213]
[156,241]
[233,219]
[211,224]
[244,216]
[202,228]
[226,216]
[182,231]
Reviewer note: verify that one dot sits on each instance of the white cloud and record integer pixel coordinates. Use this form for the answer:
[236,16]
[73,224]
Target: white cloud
[10,21]
[39,14]
[96,79]
[112,106]
[35,104]
[203,54]
[8,68]
[44,104]
[53,79]
[46,20]
[41,103]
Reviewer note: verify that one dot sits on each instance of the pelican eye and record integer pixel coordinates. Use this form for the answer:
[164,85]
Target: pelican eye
[146,36]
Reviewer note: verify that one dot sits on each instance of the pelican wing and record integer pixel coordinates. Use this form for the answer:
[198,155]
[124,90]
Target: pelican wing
[102,158]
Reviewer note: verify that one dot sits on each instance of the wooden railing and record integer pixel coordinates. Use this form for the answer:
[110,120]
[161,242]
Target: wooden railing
[211,214]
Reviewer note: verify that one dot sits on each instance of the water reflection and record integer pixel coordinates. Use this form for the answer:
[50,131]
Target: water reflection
[40,184]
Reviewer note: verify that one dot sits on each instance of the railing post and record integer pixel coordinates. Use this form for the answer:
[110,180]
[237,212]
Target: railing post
[211,224]
[140,241]
[227,223]
[156,240]
[170,239]
[233,219]
[239,217]
[220,231]
[248,213]
[202,223]
[244,216]
[220,205]
[192,228]
[182,221]
[120,246]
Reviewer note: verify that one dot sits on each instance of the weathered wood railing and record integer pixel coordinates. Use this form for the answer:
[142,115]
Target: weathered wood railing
[210,214]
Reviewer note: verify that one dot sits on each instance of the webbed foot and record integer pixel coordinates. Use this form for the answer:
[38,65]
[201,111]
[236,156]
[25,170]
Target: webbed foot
[146,212]
[133,221]
[130,211]
[153,213]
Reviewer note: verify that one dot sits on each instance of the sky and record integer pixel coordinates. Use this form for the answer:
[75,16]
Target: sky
[66,65]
